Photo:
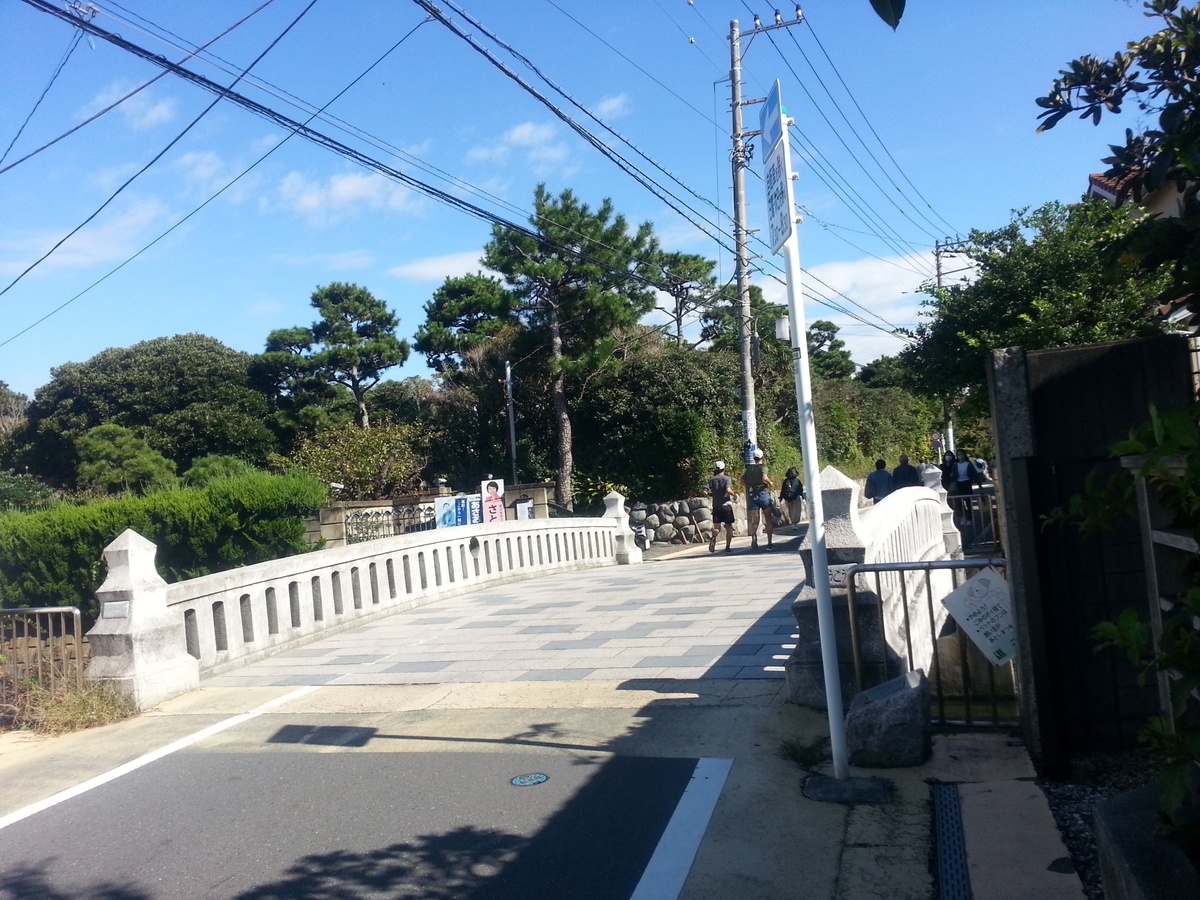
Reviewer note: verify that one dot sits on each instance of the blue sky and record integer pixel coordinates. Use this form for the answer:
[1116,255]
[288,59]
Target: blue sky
[949,95]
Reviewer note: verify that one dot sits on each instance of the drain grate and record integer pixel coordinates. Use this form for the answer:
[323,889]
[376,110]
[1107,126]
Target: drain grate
[954,880]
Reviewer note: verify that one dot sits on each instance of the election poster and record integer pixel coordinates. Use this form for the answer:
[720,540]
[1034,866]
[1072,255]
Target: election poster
[493,500]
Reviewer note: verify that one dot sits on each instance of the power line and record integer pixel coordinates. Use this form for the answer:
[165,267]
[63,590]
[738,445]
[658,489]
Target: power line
[71,45]
[156,157]
[853,100]
[630,169]
[854,131]
[138,89]
[213,197]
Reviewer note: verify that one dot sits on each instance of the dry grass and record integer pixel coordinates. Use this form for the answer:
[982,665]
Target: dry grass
[28,705]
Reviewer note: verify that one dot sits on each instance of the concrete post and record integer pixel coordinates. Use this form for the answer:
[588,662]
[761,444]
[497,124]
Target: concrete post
[628,553]
[333,525]
[136,642]
[932,479]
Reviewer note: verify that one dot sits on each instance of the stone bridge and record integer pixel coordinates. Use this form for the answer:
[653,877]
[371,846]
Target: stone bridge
[471,604]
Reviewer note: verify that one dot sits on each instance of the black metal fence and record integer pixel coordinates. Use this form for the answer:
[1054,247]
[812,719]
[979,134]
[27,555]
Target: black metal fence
[966,688]
[44,644]
[977,518]
[372,524]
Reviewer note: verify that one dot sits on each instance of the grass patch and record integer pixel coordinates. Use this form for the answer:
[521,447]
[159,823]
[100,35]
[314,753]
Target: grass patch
[61,709]
[808,756]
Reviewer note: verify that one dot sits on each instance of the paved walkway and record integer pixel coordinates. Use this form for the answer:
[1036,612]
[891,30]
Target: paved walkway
[691,615]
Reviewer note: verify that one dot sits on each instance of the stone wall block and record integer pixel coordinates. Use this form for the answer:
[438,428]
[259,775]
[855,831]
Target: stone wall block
[137,643]
[888,726]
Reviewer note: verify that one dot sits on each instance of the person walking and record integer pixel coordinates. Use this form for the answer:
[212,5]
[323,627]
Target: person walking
[966,477]
[879,482]
[760,503]
[905,475]
[949,471]
[720,488]
[791,496]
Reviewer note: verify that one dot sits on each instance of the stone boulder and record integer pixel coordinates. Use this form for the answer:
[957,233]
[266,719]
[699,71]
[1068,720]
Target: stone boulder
[681,522]
[703,514]
[665,533]
[652,521]
[637,516]
[888,726]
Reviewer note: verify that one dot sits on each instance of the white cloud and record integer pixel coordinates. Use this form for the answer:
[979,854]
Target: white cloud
[115,237]
[342,196]
[886,287]
[536,143]
[612,107]
[142,111]
[438,268]
[347,259]
[199,165]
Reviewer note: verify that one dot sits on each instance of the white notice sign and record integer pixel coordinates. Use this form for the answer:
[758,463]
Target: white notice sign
[982,609]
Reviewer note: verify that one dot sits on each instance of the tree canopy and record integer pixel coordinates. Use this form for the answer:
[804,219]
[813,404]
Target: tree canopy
[1044,280]
[580,278]
[351,345]
[1160,72]
[187,396]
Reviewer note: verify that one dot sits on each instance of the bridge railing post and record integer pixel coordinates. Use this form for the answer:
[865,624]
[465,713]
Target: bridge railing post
[137,642]
[627,552]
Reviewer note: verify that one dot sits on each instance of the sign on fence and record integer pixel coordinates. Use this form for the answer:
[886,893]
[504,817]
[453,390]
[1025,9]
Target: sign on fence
[982,608]
[493,500]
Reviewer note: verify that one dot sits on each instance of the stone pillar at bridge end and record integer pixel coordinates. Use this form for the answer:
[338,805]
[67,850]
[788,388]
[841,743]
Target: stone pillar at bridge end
[136,642]
[627,552]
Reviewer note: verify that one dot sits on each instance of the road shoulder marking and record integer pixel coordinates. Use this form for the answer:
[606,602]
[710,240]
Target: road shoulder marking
[147,758]
[676,851]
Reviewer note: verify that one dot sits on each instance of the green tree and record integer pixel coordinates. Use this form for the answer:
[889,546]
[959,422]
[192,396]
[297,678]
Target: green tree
[368,463]
[465,312]
[886,371]
[687,279]
[12,408]
[827,353]
[1161,72]
[215,467]
[187,396]
[580,277]
[1043,280]
[351,345]
[117,460]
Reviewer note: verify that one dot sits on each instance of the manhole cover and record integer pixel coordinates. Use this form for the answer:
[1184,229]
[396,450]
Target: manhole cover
[532,778]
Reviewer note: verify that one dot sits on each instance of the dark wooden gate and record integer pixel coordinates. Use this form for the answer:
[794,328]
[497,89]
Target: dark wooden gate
[1055,413]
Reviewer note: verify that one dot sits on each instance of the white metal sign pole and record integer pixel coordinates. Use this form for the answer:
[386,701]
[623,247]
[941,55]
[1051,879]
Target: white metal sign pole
[781,215]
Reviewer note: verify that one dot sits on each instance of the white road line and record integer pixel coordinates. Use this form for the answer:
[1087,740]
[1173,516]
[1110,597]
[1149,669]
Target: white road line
[147,758]
[676,851]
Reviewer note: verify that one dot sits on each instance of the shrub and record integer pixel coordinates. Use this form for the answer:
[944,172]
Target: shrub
[213,467]
[116,459]
[54,557]
[23,492]
[368,463]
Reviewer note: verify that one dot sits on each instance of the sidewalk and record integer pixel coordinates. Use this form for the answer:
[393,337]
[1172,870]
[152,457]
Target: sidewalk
[681,657]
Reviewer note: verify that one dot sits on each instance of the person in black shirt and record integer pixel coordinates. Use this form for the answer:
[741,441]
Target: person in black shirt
[905,475]
[720,488]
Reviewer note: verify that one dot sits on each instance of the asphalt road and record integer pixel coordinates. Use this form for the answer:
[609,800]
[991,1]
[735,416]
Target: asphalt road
[293,819]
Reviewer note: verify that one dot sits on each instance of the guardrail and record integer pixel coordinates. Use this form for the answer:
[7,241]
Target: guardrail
[211,624]
[977,519]
[46,644]
[958,694]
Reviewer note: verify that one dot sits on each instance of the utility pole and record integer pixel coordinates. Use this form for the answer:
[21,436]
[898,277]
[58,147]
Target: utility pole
[740,158]
[741,237]
[947,248]
[512,422]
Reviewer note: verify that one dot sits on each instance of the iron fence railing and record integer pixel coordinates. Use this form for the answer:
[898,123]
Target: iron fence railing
[380,523]
[966,688]
[977,518]
[46,644]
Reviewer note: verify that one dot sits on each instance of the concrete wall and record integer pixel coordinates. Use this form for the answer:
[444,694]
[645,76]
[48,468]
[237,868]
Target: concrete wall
[157,640]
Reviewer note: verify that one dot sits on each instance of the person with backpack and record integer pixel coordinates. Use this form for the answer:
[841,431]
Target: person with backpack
[791,496]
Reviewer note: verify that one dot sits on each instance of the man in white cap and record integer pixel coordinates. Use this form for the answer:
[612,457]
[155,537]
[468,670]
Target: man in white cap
[720,488]
[760,500]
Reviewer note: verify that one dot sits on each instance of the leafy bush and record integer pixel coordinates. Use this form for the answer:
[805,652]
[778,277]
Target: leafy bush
[23,492]
[54,557]
[214,467]
[368,463]
[116,459]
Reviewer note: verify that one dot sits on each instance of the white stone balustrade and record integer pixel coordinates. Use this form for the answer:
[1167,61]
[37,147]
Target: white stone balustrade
[909,525]
[158,639]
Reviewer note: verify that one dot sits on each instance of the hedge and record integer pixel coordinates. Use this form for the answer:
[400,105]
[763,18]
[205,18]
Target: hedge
[55,557]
